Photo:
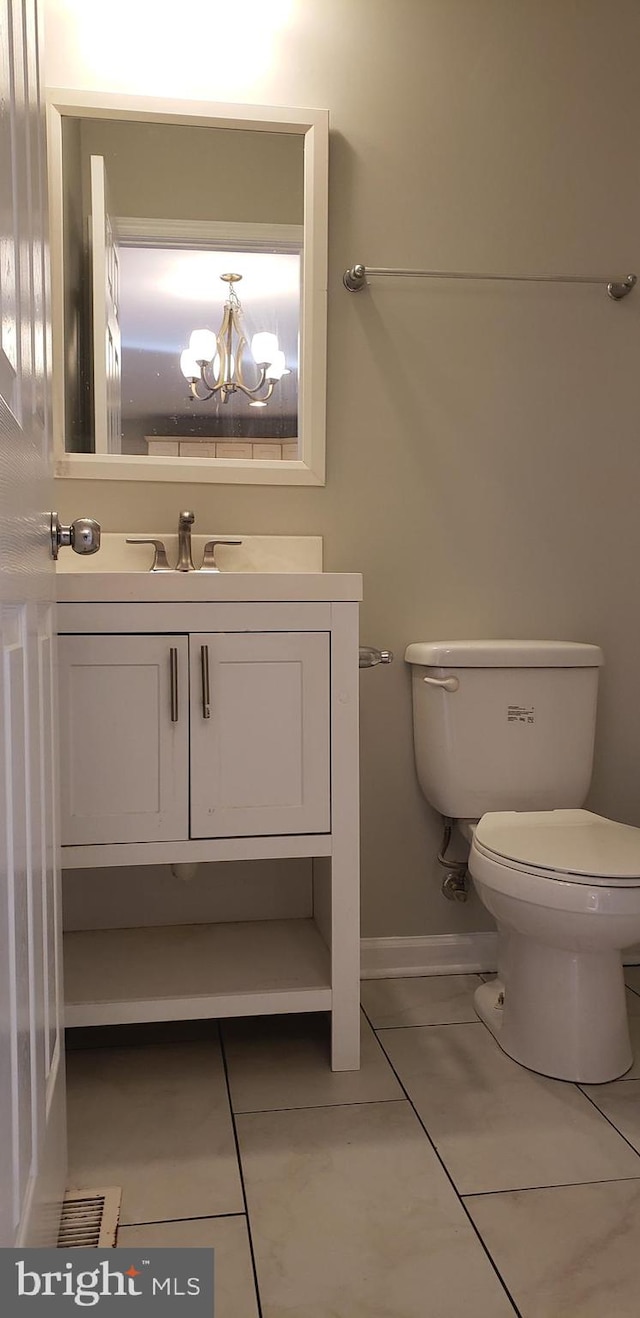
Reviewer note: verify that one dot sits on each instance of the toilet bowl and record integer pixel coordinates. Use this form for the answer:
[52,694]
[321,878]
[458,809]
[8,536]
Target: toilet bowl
[504,733]
[564,889]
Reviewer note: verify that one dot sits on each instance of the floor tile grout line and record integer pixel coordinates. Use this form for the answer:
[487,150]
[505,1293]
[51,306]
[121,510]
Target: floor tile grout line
[561,1185]
[172,1221]
[445,1169]
[610,1123]
[317,1107]
[234,1127]
[425,1025]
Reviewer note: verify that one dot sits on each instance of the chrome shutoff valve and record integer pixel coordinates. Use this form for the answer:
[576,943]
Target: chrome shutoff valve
[369,656]
[455,887]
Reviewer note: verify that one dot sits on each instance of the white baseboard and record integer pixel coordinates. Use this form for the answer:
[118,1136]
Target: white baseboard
[438,954]
[434,954]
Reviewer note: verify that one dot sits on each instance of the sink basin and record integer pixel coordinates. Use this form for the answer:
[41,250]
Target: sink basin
[257,553]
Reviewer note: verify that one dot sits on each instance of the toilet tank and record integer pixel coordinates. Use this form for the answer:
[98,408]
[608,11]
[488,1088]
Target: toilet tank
[512,729]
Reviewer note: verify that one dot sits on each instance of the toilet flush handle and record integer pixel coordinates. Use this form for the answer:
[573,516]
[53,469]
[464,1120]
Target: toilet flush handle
[448,683]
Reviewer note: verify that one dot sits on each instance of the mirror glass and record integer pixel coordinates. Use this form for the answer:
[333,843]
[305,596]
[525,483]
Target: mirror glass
[170,228]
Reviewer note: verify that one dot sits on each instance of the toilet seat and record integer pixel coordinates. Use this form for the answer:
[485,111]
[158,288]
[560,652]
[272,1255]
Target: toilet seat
[562,846]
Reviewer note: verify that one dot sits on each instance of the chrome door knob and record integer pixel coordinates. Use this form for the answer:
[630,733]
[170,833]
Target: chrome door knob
[83,535]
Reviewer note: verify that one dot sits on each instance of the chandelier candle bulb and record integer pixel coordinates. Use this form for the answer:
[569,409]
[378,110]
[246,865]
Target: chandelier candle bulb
[277,368]
[189,366]
[202,346]
[264,347]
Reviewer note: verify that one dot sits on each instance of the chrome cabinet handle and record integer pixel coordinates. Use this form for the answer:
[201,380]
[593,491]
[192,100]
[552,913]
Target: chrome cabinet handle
[448,683]
[173,669]
[206,692]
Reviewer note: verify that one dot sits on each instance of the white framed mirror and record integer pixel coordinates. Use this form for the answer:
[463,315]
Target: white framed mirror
[170,218]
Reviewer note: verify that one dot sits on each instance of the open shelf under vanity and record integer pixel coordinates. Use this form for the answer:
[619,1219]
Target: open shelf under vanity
[188,972]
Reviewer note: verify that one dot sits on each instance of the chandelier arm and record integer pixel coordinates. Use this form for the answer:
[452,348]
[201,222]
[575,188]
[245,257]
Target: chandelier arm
[251,393]
[242,343]
[249,390]
[203,398]
[224,341]
[242,384]
[212,384]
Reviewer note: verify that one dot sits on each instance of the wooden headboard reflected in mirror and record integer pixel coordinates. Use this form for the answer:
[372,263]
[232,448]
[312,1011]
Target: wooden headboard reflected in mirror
[154,205]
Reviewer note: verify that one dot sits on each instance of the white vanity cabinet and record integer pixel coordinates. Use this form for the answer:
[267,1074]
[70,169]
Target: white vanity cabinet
[200,729]
[166,738]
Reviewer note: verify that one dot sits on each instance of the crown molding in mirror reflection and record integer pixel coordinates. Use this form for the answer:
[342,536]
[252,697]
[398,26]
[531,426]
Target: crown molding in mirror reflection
[309,466]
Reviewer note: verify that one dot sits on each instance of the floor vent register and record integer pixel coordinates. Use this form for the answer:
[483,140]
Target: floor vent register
[90,1219]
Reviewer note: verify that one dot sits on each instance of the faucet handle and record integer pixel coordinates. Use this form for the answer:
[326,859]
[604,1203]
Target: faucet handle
[160,561]
[209,561]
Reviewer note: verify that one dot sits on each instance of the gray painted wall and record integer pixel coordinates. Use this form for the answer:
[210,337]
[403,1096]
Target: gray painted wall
[483,448]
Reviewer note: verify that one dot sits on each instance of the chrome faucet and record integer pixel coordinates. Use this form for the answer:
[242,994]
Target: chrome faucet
[185,561]
[185,558]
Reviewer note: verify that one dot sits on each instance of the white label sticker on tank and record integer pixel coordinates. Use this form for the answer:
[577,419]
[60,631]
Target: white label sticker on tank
[521,714]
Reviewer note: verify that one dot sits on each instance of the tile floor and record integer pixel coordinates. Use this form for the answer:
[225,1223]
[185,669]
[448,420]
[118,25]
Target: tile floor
[442,1180]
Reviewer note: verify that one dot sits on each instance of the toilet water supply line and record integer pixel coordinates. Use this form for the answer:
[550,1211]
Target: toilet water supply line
[455,885]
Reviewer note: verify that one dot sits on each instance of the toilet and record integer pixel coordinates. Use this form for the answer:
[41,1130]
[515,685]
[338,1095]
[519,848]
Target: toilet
[504,736]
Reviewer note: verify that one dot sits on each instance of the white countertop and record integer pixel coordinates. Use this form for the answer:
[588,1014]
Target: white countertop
[261,569]
[202,587]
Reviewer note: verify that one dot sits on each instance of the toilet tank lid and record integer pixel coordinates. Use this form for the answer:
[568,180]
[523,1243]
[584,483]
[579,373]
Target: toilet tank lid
[504,654]
[573,842]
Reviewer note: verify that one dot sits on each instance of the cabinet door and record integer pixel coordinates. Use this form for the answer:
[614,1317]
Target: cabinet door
[259,733]
[124,731]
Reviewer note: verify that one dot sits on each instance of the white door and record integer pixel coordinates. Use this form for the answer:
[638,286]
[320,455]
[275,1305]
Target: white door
[32,1112]
[107,348]
[259,733]
[124,738]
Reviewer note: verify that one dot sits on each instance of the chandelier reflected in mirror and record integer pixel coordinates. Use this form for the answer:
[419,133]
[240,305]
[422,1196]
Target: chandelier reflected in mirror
[214,363]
